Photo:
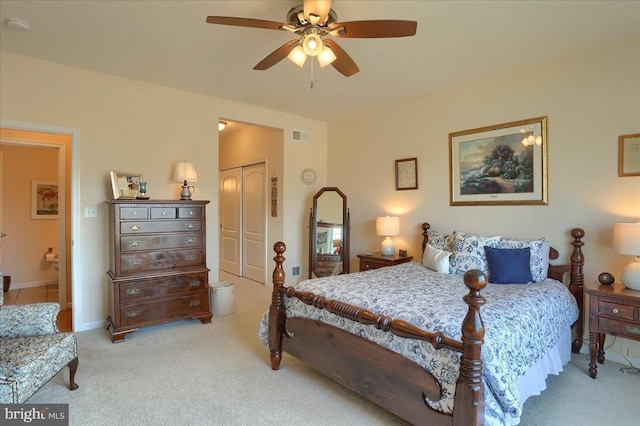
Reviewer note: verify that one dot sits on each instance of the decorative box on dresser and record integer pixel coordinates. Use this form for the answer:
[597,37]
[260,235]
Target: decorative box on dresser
[613,309]
[158,261]
[377,260]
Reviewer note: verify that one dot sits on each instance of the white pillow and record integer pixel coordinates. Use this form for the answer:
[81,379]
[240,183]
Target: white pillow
[435,259]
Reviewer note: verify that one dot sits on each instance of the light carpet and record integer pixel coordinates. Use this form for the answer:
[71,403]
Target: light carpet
[187,373]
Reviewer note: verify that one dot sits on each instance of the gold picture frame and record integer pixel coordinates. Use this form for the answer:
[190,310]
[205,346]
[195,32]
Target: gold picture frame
[629,155]
[406,174]
[503,164]
[125,185]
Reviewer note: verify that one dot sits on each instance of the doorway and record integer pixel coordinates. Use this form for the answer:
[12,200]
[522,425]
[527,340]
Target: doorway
[55,150]
[243,222]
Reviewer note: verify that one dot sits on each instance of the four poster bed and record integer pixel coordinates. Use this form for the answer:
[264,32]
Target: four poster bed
[413,340]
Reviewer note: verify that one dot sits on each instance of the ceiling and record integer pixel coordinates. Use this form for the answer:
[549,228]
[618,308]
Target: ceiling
[170,44]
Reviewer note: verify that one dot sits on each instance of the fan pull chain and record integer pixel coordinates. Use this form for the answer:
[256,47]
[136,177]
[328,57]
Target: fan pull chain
[311,82]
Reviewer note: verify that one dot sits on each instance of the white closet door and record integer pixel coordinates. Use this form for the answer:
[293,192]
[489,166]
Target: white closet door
[230,220]
[254,221]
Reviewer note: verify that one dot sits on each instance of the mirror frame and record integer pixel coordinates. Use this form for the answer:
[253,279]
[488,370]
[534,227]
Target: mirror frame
[313,231]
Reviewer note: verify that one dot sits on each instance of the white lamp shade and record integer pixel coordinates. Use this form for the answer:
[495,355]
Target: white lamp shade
[388,226]
[326,56]
[297,56]
[626,238]
[185,171]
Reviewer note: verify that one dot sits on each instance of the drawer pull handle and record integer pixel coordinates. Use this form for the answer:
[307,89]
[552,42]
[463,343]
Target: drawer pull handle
[615,310]
[190,240]
[133,291]
[191,257]
[194,284]
[190,226]
[135,243]
[135,227]
[135,262]
[133,313]
[633,330]
[164,213]
[194,303]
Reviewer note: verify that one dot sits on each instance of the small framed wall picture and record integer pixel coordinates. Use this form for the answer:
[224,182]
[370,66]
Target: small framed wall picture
[407,174]
[629,155]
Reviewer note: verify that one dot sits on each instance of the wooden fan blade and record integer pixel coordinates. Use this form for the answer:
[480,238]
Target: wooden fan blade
[374,29]
[318,8]
[244,22]
[344,64]
[276,56]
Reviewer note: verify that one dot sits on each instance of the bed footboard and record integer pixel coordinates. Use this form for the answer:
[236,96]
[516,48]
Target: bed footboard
[364,366]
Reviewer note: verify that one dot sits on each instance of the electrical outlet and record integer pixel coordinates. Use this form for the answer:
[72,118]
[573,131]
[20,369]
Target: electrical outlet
[295,271]
[91,212]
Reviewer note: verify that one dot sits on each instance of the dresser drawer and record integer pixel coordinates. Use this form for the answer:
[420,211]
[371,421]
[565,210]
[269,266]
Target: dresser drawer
[616,310]
[160,241]
[160,226]
[139,262]
[128,213]
[619,327]
[365,265]
[189,212]
[163,310]
[163,212]
[136,291]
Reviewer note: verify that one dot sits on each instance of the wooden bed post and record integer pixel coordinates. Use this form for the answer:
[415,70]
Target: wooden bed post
[425,235]
[276,310]
[468,408]
[576,284]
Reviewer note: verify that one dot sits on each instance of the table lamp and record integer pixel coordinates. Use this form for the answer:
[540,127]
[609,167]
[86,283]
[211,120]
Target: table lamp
[185,172]
[387,226]
[626,240]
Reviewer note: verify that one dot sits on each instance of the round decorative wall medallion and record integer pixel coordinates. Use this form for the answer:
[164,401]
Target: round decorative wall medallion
[308,176]
[606,278]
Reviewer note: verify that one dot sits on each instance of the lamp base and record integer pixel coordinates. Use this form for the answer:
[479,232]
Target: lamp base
[631,275]
[387,248]
[185,192]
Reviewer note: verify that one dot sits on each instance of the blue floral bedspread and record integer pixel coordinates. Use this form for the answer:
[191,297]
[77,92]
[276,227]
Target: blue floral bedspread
[522,322]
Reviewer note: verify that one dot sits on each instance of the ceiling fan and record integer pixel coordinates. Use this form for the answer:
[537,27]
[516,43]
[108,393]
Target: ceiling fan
[314,22]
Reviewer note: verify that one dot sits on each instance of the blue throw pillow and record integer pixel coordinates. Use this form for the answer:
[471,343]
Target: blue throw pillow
[509,266]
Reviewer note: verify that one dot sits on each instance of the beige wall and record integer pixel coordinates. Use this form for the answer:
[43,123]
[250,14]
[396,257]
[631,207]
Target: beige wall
[27,239]
[590,98]
[132,126]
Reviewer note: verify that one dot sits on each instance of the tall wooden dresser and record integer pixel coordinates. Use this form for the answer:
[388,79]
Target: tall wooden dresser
[158,261]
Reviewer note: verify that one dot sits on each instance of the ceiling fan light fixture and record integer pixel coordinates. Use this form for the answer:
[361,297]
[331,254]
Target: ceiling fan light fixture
[326,56]
[297,56]
[312,44]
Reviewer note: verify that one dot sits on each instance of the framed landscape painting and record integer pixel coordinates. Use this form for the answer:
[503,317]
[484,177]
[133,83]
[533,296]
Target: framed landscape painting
[504,164]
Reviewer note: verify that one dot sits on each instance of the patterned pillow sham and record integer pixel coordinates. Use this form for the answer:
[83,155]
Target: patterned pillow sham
[440,241]
[436,259]
[468,252]
[536,263]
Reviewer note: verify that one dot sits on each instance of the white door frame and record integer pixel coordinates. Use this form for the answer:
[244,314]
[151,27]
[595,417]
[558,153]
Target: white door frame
[75,207]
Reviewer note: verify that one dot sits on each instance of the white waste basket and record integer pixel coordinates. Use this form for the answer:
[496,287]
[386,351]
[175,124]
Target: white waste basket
[221,298]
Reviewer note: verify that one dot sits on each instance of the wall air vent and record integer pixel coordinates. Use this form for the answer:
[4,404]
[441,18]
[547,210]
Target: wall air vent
[300,136]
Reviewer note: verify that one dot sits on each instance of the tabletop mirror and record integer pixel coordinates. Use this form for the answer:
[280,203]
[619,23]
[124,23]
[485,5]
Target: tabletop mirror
[329,234]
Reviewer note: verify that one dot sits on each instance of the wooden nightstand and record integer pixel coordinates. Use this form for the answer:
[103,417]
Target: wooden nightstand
[377,260]
[613,309]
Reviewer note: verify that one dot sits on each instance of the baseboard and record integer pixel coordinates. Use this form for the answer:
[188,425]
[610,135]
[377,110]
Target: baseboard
[32,284]
[90,326]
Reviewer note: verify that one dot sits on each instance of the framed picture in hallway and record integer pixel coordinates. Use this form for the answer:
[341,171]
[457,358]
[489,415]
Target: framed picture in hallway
[44,200]
[504,164]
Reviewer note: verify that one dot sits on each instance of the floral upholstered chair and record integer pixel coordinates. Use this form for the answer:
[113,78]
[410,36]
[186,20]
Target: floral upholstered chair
[32,350]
